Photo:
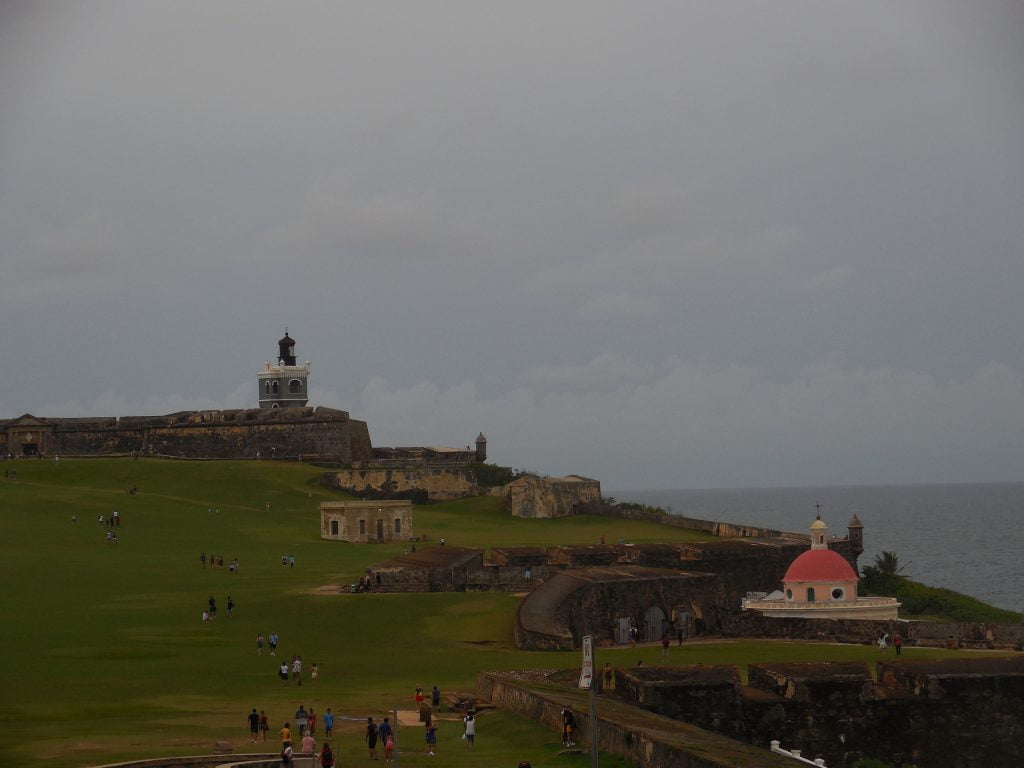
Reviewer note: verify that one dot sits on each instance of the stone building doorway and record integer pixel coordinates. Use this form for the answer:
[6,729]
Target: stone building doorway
[682,622]
[622,630]
[655,624]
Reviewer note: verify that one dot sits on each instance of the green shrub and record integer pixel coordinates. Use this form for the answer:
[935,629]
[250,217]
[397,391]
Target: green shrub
[491,475]
[921,600]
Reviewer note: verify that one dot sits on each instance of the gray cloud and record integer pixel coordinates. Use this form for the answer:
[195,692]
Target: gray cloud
[682,244]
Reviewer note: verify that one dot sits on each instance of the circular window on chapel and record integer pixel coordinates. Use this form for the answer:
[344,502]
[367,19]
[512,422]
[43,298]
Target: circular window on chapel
[837,594]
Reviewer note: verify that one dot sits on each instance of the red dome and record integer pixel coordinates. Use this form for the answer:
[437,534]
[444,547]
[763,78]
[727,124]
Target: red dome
[820,565]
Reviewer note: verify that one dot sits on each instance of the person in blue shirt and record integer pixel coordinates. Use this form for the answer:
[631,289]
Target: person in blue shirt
[328,723]
[384,730]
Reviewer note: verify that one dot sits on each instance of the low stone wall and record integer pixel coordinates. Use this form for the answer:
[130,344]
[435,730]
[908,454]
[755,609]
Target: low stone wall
[428,483]
[255,760]
[648,740]
[714,527]
[866,631]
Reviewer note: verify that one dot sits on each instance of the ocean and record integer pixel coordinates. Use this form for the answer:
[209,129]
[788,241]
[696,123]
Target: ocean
[967,537]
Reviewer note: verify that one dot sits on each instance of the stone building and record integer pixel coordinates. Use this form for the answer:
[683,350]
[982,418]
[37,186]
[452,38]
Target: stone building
[533,496]
[429,569]
[366,521]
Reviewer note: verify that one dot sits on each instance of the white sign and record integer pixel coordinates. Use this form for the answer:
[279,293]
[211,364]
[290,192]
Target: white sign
[587,674]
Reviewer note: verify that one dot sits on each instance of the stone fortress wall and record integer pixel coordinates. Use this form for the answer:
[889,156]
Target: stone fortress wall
[956,713]
[420,483]
[310,433]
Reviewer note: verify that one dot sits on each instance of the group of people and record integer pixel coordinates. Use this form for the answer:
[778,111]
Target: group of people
[217,561]
[375,734]
[897,643]
[272,641]
[383,733]
[296,669]
[210,614]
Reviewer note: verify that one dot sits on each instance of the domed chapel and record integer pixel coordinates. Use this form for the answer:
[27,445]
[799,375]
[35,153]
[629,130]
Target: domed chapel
[820,583]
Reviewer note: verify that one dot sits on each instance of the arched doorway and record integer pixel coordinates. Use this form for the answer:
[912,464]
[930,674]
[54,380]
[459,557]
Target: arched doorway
[655,624]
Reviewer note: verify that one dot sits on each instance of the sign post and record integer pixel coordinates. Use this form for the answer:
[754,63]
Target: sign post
[587,682]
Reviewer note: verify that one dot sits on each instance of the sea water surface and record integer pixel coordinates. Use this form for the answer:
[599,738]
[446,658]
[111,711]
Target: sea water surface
[967,537]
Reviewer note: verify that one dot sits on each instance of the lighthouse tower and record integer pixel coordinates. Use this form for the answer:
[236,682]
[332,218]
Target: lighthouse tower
[284,384]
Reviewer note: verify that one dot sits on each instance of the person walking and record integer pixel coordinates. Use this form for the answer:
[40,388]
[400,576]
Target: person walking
[273,640]
[297,669]
[435,698]
[259,644]
[430,730]
[371,737]
[283,672]
[609,677]
[264,724]
[384,730]
[897,643]
[469,728]
[286,735]
[883,642]
[311,723]
[301,719]
[664,645]
[254,725]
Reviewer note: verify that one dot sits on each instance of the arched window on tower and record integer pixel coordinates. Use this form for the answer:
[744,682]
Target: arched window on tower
[295,386]
[266,387]
[275,388]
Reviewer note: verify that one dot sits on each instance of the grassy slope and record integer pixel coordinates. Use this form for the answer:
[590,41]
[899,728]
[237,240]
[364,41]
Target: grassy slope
[107,657]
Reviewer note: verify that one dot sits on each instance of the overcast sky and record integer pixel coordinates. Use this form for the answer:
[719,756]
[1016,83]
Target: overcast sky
[661,244]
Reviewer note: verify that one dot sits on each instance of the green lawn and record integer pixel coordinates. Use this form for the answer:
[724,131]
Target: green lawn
[108,659]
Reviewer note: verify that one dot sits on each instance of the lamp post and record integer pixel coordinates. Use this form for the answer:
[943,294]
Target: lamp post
[587,682]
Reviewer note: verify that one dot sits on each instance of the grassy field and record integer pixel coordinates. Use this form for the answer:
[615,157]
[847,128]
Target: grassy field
[108,659]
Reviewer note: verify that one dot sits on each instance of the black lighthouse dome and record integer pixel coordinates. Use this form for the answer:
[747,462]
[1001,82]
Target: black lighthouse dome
[286,349]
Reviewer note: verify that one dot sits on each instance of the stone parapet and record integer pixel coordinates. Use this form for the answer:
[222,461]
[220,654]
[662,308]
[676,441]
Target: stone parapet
[954,713]
[232,434]
[648,740]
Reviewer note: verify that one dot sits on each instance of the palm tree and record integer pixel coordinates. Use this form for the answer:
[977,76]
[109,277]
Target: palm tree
[888,564]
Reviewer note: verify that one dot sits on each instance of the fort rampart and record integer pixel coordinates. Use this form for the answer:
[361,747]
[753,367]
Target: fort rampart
[954,713]
[312,433]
